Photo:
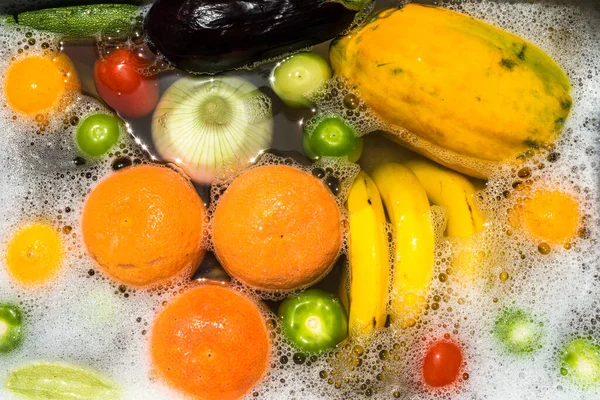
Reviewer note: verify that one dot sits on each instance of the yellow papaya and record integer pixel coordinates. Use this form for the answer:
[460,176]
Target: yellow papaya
[456,89]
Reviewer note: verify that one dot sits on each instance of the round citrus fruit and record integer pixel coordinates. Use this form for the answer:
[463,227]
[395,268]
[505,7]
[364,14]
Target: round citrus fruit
[549,215]
[37,83]
[210,342]
[34,254]
[277,228]
[143,225]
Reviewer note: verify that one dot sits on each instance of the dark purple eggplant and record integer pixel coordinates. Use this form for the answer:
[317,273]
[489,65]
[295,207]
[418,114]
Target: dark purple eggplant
[218,35]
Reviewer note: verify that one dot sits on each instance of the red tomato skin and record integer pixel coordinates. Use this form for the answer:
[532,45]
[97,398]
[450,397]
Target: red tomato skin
[122,87]
[442,364]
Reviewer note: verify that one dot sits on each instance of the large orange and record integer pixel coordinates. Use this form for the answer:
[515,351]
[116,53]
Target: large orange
[144,224]
[277,228]
[210,342]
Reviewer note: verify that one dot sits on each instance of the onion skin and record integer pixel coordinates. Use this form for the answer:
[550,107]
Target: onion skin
[217,35]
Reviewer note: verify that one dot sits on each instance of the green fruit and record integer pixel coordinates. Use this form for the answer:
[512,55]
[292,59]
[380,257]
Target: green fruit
[98,133]
[11,333]
[314,320]
[331,137]
[298,75]
[518,331]
[580,361]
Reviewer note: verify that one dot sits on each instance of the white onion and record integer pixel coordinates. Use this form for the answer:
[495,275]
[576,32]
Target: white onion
[212,126]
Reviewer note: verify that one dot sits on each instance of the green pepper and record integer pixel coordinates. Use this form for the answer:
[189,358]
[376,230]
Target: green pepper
[11,333]
[313,320]
[331,137]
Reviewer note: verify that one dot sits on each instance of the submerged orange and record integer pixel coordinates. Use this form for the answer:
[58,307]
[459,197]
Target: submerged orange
[34,254]
[37,83]
[277,228]
[549,215]
[210,342]
[143,225]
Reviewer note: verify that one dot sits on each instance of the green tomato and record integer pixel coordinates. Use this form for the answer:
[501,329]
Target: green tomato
[518,331]
[332,137]
[98,133]
[314,320]
[580,361]
[298,75]
[11,333]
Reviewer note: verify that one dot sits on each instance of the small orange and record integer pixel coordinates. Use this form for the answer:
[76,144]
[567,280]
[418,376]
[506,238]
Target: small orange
[34,254]
[35,84]
[549,215]
[143,225]
[210,342]
[277,228]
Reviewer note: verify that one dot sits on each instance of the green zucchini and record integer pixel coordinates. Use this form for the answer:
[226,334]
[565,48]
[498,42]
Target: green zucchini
[80,21]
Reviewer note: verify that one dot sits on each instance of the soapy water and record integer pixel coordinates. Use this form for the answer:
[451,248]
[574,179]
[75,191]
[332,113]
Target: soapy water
[83,317]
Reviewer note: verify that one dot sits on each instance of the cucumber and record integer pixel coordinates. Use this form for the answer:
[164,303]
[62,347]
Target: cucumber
[80,21]
[7,20]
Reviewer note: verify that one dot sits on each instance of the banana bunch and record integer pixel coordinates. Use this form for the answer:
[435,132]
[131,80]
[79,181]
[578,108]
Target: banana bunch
[369,260]
[410,187]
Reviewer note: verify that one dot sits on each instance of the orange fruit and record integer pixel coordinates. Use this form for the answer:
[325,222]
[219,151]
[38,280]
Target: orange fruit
[548,215]
[210,342]
[143,225]
[34,254]
[277,228]
[37,83]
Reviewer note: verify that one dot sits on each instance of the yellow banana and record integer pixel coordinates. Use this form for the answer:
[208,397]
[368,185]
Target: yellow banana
[368,255]
[408,208]
[456,193]
[452,190]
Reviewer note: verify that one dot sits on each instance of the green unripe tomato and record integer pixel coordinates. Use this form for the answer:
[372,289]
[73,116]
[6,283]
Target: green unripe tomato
[332,137]
[11,333]
[314,320]
[98,133]
[580,361]
[518,331]
[299,75]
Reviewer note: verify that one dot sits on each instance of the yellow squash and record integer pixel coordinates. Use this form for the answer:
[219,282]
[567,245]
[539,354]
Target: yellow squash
[454,88]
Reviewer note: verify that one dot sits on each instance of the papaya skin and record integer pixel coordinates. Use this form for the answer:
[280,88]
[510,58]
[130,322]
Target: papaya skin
[462,87]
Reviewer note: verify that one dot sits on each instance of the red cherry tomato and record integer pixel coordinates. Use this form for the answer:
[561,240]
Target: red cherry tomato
[122,87]
[442,364]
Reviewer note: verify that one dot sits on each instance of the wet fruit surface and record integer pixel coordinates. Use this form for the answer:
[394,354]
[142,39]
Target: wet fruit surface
[277,227]
[210,342]
[143,224]
[34,254]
